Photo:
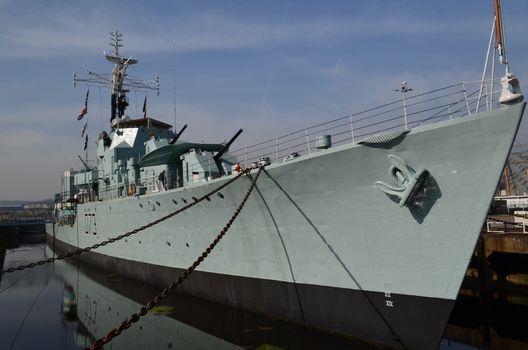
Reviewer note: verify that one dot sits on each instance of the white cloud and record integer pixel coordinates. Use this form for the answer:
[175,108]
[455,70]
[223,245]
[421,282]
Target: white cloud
[71,31]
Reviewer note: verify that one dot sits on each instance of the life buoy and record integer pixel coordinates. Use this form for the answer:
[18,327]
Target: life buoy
[132,189]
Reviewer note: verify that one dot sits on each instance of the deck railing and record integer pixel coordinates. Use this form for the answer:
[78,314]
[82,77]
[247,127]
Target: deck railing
[450,102]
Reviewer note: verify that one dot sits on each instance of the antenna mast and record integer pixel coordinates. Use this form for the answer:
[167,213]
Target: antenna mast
[511,90]
[119,81]
[499,30]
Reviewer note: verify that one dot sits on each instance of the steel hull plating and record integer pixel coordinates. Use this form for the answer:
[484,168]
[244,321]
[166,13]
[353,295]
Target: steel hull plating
[318,242]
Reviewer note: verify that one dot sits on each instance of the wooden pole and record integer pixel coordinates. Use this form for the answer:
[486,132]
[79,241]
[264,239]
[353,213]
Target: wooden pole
[498,22]
[507,180]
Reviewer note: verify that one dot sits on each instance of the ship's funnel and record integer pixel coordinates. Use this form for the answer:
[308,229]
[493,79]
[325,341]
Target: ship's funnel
[511,90]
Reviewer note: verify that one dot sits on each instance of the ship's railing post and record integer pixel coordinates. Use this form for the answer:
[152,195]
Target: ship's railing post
[466,98]
[486,94]
[307,140]
[276,150]
[405,110]
[489,96]
[352,128]
[245,157]
[404,89]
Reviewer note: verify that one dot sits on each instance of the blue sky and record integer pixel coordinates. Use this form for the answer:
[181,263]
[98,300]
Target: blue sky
[266,66]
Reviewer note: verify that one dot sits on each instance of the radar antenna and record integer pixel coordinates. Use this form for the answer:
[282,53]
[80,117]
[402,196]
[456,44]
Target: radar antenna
[119,80]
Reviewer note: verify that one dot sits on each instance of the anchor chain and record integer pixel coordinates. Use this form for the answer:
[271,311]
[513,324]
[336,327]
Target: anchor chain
[163,294]
[124,235]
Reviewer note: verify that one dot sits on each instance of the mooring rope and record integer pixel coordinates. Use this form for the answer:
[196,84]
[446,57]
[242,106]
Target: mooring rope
[340,261]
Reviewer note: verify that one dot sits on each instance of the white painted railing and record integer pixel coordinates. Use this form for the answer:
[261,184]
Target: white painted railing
[450,102]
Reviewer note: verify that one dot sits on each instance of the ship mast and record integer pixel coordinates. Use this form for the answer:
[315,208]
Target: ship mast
[119,81]
[499,34]
[510,88]
[119,100]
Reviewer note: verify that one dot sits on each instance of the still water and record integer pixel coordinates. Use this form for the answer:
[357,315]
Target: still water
[68,305]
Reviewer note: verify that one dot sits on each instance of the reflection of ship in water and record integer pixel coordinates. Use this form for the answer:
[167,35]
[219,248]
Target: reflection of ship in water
[492,307]
[96,301]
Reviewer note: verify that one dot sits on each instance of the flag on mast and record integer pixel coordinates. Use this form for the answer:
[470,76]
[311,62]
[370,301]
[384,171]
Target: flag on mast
[145,108]
[86,142]
[84,110]
[84,129]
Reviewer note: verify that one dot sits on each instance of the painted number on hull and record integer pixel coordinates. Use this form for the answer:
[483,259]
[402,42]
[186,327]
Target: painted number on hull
[90,311]
[90,224]
[388,296]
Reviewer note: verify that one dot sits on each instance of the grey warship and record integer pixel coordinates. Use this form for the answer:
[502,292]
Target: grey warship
[363,225]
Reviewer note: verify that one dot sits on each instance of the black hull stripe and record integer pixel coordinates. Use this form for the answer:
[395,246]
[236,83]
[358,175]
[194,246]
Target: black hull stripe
[411,323]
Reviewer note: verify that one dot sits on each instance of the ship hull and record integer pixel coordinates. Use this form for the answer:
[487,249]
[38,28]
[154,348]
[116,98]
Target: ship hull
[344,311]
[318,242]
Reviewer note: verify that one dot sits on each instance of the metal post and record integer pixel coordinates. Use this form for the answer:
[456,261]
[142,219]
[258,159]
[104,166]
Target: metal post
[276,150]
[486,94]
[404,89]
[352,128]
[405,109]
[245,157]
[466,98]
[485,65]
[492,81]
[307,140]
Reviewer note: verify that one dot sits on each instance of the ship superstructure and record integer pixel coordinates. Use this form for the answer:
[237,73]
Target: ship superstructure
[139,155]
